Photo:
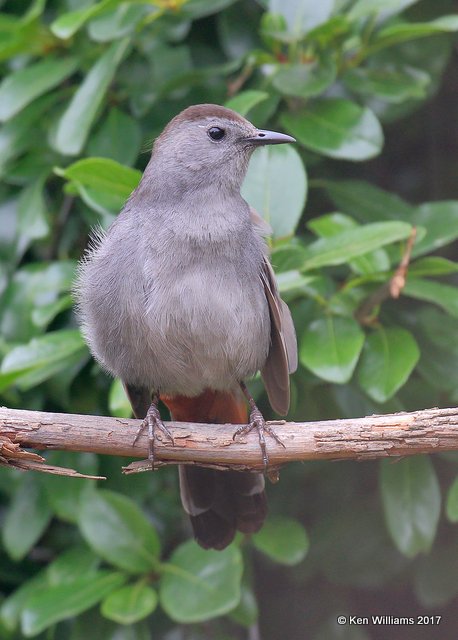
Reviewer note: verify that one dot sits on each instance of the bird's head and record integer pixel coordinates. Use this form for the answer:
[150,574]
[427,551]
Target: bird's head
[208,142]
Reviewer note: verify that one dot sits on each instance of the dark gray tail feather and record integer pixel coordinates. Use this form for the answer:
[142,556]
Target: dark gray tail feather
[219,503]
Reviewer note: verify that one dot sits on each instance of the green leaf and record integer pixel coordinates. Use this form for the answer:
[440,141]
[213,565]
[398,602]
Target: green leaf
[411,502]
[276,186]
[26,519]
[32,222]
[405,31]
[43,356]
[333,223]
[365,202]
[342,247]
[65,495]
[64,601]
[198,585]
[43,315]
[394,84]
[76,121]
[336,128]
[115,527]
[302,16]
[451,508]
[306,79]
[103,175]
[366,8]
[440,219]
[284,540]
[119,138]
[246,100]
[118,402]
[389,356]
[432,266]
[117,23]
[330,347]
[246,612]
[444,295]
[130,603]
[66,25]
[22,87]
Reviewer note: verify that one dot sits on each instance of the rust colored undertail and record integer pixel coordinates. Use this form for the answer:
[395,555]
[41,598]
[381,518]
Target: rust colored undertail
[219,503]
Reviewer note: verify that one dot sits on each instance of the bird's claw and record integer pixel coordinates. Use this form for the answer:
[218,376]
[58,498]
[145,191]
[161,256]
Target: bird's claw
[152,422]
[257,422]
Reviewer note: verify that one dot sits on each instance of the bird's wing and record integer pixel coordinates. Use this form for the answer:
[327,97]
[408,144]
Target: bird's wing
[282,357]
[139,398]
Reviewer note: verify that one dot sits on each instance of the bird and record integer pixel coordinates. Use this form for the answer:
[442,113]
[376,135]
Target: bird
[178,299]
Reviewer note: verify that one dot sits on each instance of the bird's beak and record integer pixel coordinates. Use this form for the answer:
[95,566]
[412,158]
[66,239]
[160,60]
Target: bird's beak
[269,137]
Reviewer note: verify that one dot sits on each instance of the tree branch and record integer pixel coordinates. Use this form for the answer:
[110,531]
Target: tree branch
[211,445]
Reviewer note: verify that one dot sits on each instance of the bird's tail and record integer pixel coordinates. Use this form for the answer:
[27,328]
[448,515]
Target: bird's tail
[219,503]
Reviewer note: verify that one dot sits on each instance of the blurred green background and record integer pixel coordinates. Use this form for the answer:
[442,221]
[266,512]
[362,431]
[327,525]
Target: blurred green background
[368,88]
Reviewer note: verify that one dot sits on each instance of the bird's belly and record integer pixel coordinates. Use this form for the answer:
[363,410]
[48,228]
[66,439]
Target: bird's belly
[207,332]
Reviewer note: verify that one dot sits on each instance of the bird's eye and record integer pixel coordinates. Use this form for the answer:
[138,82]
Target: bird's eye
[216,133]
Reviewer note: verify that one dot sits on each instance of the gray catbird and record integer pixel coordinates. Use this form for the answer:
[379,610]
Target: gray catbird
[178,300]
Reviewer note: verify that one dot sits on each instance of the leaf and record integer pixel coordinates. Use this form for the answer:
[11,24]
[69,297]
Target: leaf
[65,495]
[26,519]
[246,100]
[118,402]
[388,359]
[67,24]
[365,202]
[342,247]
[440,219]
[451,507]
[32,222]
[330,348]
[76,121]
[336,128]
[198,585]
[284,540]
[22,87]
[432,266]
[117,23]
[333,223]
[394,84]
[366,8]
[276,186]
[45,356]
[129,604]
[411,502]
[43,315]
[103,175]
[246,612]
[63,601]
[444,295]
[405,31]
[115,527]
[302,16]
[306,79]
[118,138]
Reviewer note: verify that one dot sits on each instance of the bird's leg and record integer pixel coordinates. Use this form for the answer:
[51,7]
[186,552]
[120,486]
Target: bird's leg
[257,422]
[152,422]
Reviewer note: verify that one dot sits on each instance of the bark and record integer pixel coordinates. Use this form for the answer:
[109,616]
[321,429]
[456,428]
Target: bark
[399,434]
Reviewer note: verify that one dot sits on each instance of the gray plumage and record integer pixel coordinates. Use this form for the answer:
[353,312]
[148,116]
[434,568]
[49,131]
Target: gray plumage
[178,296]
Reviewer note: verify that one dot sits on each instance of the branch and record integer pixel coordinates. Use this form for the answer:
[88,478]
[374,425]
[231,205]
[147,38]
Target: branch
[211,445]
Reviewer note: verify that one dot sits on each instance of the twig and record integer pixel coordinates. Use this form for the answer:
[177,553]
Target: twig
[399,434]
[391,289]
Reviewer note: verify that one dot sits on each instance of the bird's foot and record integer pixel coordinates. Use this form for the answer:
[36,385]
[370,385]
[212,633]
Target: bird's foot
[257,422]
[152,422]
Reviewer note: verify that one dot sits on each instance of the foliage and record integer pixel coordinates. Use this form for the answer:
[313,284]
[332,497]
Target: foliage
[87,86]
